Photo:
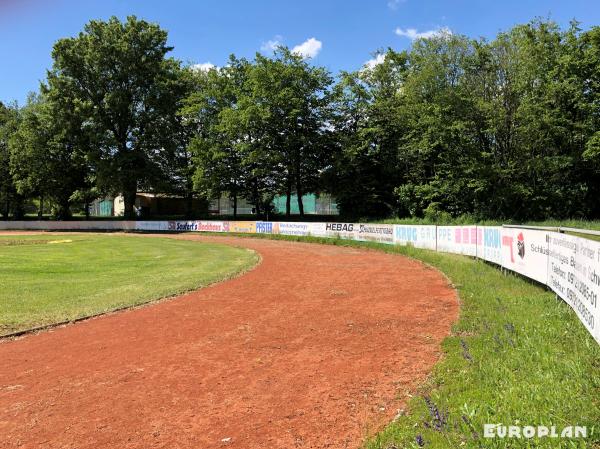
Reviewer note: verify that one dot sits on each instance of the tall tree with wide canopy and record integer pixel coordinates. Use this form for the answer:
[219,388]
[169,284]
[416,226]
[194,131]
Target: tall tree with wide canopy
[368,128]
[10,200]
[216,144]
[292,97]
[126,89]
[47,156]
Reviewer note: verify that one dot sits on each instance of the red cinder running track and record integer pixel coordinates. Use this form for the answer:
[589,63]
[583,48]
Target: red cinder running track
[314,348]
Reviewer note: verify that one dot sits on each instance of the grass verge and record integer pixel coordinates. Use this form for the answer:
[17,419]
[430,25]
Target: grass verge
[52,279]
[517,356]
[469,220]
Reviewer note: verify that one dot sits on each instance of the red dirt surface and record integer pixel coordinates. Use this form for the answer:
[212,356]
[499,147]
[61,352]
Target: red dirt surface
[316,347]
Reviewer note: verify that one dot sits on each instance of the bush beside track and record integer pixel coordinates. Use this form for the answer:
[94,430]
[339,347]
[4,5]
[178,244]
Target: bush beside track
[518,355]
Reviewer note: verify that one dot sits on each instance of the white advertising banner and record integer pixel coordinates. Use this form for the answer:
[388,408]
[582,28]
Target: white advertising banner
[152,226]
[457,239]
[341,230]
[574,274]
[183,226]
[317,229]
[419,236]
[213,226]
[300,229]
[489,243]
[291,228]
[525,251]
[382,233]
[267,227]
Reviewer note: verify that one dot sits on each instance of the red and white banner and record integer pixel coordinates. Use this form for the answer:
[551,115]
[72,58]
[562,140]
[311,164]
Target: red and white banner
[525,251]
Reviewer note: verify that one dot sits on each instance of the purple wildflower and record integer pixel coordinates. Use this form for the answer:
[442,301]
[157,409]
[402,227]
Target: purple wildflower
[467,421]
[466,353]
[439,419]
[498,341]
[420,441]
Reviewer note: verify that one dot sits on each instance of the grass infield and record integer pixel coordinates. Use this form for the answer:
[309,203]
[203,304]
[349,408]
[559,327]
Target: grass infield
[48,279]
[517,356]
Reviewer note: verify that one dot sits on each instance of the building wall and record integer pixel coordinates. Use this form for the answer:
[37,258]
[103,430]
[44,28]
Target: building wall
[119,206]
[322,204]
[224,206]
[151,205]
[102,207]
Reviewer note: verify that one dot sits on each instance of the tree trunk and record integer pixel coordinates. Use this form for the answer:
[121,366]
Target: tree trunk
[64,210]
[288,199]
[18,211]
[41,208]
[129,200]
[6,211]
[299,191]
[130,182]
[256,199]
[87,210]
[234,205]
[300,203]
[189,201]
[189,197]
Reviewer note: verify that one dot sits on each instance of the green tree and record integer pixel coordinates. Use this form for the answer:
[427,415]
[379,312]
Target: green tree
[368,128]
[10,200]
[499,129]
[586,65]
[46,155]
[260,128]
[127,90]
[215,145]
[292,97]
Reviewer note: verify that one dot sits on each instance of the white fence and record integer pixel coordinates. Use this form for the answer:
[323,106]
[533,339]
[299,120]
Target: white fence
[568,265]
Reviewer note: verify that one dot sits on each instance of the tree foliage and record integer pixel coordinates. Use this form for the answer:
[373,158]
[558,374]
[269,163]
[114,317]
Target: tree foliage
[260,128]
[10,200]
[502,129]
[122,82]
[47,154]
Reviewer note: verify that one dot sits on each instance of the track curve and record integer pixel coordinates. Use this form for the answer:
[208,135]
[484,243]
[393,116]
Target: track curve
[314,348]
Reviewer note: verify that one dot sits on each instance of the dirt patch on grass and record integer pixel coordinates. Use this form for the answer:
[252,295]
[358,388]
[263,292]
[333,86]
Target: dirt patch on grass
[16,242]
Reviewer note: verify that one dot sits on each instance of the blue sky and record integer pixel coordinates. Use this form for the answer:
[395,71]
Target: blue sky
[341,34]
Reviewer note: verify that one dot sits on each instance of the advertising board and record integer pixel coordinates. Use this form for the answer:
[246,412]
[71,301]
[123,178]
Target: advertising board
[525,251]
[382,233]
[489,243]
[419,236]
[574,275]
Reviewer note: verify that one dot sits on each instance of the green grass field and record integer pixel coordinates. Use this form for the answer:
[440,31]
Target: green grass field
[516,355]
[46,279]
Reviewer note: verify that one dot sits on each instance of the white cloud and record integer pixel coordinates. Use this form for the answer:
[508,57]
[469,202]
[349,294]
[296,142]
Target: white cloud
[413,34]
[204,67]
[378,59]
[272,44]
[393,4]
[309,48]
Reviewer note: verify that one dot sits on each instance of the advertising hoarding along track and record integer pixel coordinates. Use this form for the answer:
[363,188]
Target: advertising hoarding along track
[416,235]
[568,265]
